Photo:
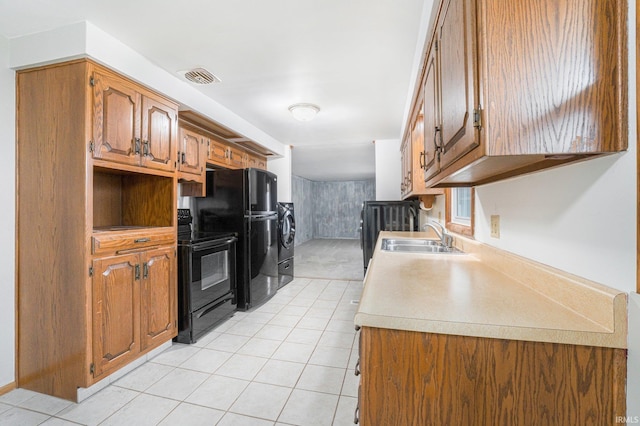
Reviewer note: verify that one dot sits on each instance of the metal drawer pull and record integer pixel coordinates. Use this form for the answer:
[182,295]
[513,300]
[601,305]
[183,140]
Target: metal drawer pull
[357,369]
[356,414]
[142,240]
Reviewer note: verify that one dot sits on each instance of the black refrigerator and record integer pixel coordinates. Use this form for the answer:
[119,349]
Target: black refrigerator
[245,201]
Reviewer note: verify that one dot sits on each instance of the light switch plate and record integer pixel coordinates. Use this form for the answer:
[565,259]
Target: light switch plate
[495,226]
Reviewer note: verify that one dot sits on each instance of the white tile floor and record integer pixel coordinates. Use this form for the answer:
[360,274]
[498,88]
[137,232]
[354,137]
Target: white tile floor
[288,362]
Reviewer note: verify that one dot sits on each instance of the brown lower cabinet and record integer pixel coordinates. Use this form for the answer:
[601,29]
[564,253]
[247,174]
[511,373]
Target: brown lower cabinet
[116,312]
[134,306]
[414,378]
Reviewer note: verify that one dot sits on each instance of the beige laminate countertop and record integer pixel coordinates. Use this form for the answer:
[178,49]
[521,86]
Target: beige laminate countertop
[488,293]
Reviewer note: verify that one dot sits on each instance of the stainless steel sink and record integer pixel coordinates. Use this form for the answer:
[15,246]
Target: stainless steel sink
[416,246]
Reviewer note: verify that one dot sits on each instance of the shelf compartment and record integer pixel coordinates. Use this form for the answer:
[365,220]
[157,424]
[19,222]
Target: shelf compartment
[130,200]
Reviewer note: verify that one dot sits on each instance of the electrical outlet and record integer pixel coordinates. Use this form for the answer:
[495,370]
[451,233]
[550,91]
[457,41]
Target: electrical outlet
[495,226]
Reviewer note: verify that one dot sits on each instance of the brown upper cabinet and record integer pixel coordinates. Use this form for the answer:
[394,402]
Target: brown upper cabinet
[237,158]
[132,126]
[218,153]
[192,155]
[226,148]
[511,88]
[227,155]
[256,161]
[414,157]
[454,42]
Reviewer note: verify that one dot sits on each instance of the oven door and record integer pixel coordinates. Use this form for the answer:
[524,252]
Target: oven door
[212,270]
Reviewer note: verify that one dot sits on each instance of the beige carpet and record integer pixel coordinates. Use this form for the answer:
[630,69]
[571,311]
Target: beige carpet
[329,258]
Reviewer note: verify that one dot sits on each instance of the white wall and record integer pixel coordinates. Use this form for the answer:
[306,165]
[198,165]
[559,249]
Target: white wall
[633,361]
[7,231]
[388,169]
[282,168]
[579,218]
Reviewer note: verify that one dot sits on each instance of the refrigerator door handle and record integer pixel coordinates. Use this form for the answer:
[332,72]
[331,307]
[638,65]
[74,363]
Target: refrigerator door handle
[260,217]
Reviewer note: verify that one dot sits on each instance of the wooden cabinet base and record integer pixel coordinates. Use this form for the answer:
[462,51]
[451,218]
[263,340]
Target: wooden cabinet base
[411,378]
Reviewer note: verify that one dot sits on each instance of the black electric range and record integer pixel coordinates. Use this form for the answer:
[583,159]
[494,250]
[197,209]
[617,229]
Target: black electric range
[206,278]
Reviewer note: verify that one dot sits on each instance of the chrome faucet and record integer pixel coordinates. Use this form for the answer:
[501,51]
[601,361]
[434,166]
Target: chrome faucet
[445,238]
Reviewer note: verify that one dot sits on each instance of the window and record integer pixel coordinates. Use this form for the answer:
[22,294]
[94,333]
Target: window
[459,210]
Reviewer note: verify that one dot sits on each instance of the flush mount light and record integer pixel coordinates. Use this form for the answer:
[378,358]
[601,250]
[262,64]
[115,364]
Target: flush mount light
[304,112]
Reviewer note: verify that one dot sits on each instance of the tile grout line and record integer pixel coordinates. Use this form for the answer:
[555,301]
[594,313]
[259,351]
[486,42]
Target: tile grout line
[315,288]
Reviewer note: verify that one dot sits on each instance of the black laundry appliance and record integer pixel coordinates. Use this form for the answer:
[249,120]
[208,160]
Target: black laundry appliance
[245,201]
[286,239]
[206,278]
[379,216]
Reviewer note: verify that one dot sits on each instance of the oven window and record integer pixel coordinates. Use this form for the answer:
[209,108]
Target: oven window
[214,269]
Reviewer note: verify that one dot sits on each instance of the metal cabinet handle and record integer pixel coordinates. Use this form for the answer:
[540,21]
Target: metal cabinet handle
[136,145]
[142,240]
[145,147]
[137,272]
[357,369]
[145,271]
[423,160]
[439,147]
[356,414]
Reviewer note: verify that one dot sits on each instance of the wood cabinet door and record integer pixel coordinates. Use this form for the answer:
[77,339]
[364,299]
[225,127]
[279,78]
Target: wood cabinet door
[455,36]
[414,378]
[116,120]
[237,158]
[116,310]
[193,153]
[564,84]
[432,133]
[159,133]
[218,153]
[405,154]
[418,153]
[256,161]
[262,163]
[158,307]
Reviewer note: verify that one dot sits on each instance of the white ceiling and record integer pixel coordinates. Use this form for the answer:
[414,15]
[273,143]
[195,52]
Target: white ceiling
[356,59]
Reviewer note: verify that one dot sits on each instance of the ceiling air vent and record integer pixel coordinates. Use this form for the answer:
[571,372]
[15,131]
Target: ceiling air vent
[201,76]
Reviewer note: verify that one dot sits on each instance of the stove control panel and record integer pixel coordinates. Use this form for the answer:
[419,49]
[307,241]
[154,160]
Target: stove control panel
[184,217]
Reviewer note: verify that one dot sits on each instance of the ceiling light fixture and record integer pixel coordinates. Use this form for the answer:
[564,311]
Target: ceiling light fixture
[304,112]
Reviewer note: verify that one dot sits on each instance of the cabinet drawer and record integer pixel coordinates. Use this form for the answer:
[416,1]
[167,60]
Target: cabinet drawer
[105,242]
